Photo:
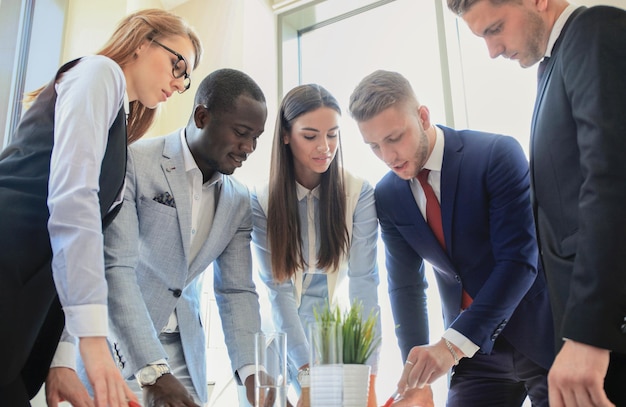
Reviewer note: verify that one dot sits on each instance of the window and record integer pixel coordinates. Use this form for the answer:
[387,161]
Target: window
[31,48]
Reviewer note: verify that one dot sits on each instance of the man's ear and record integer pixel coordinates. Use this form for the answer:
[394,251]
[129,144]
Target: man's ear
[540,5]
[424,115]
[201,116]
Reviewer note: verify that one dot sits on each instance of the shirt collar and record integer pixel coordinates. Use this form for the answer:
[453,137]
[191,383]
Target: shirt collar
[126,104]
[302,191]
[190,163]
[435,161]
[558,27]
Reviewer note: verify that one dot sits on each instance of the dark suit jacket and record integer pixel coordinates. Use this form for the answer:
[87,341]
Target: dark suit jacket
[578,170]
[28,297]
[491,250]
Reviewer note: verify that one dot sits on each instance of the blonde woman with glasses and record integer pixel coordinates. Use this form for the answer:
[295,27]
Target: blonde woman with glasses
[61,183]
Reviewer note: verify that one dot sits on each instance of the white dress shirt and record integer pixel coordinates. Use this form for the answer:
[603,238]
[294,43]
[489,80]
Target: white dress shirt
[434,164]
[84,112]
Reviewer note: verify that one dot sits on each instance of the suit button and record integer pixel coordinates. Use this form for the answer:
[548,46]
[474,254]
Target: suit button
[623,328]
[494,337]
[176,292]
[457,278]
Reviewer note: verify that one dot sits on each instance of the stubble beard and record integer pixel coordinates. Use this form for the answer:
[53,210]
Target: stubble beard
[537,35]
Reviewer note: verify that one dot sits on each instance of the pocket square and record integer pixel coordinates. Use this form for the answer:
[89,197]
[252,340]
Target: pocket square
[166,199]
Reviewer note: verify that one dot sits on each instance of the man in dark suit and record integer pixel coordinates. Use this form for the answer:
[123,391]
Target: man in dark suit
[578,175]
[481,245]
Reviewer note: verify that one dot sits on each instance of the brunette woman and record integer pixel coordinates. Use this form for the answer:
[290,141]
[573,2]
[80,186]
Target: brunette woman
[314,225]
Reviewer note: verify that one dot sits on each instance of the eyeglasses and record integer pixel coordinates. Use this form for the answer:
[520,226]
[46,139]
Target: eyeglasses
[179,70]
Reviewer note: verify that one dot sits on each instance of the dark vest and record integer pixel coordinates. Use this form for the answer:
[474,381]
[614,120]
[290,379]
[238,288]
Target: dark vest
[24,174]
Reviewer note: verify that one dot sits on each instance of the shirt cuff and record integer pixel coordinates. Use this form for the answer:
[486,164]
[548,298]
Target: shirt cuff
[65,356]
[300,354]
[244,372]
[87,320]
[468,347]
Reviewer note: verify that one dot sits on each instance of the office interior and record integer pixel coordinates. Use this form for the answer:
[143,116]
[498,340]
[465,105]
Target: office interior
[280,44]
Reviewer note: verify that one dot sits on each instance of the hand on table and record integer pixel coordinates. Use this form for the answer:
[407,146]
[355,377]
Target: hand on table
[576,378]
[109,387]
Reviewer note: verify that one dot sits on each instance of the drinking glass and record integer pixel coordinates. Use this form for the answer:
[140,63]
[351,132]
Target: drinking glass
[270,369]
[326,364]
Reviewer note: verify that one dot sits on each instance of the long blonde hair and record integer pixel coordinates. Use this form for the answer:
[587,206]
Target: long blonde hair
[131,32]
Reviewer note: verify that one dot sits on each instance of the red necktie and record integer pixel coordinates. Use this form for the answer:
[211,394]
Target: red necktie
[433,219]
[433,210]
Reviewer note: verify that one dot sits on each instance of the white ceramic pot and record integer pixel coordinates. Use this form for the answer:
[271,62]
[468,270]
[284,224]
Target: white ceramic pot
[356,383]
[326,385]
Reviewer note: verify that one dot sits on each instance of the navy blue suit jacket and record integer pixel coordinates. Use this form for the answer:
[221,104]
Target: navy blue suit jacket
[491,250]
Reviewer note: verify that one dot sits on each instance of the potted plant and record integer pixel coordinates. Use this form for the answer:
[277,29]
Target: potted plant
[358,340]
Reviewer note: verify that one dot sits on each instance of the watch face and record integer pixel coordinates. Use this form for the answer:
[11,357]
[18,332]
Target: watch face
[148,375]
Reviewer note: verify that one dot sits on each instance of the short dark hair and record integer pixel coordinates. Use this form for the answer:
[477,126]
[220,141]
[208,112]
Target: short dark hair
[379,91]
[220,89]
[459,7]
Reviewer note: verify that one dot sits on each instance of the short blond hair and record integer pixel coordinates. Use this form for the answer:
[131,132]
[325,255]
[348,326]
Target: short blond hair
[379,91]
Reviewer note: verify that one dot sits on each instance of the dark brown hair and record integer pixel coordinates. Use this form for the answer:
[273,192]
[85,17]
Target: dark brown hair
[283,226]
[459,7]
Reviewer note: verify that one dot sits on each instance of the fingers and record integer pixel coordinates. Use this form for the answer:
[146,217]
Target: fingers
[63,384]
[577,396]
[576,378]
[424,365]
[404,377]
[131,397]
[191,403]
[417,374]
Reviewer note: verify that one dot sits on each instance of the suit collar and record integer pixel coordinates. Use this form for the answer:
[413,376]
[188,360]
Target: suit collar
[452,157]
[541,86]
[558,27]
[173,167]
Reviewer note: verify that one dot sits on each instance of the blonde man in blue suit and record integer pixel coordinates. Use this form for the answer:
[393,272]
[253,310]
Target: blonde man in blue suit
[181,213]
[460,201]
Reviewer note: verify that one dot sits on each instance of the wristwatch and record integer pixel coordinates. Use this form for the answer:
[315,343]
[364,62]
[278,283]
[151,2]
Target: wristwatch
[149,374]
[304,377]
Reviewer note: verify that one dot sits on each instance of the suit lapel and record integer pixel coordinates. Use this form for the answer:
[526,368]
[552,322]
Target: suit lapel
[173,168]
[452,157]
[543,82]
[221,221]
[419,234]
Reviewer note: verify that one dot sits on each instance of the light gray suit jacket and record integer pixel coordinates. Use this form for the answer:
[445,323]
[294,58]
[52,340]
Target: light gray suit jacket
[146,255]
